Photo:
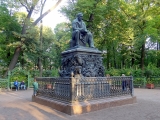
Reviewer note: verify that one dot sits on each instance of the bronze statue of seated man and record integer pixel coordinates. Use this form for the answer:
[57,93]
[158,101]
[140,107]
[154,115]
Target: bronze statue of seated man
[80,35]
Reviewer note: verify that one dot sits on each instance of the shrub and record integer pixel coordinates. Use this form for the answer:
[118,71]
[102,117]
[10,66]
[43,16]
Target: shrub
[19,75]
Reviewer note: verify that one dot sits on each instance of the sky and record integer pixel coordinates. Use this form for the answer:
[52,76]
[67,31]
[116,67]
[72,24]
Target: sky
[54,17]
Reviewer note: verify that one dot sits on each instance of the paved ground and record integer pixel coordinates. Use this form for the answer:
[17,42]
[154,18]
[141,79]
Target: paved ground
[18,106]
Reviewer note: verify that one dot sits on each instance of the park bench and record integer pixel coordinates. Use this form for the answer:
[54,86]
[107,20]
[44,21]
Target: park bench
[12,86]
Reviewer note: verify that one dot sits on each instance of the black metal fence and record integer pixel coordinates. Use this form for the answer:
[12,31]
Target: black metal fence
[85,88]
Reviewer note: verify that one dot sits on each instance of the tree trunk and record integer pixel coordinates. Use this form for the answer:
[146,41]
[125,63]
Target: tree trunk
[18,49]
[142,56]
[22,61]
[108,57]
[41,39]
[132,61]
[158,60]
[40,66]
[114,55]
[14,60]
[40,58]
[123,62]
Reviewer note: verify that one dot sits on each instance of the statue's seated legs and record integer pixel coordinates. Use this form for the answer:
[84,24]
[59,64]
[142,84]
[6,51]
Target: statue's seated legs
[90,39]
[79,39]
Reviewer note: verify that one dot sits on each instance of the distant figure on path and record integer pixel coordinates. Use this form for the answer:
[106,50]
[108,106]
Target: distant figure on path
[124,83]
[22,85]
[35,87]
[16,84]
[80,34]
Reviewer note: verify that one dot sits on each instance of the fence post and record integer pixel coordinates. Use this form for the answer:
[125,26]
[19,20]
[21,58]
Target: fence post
[132,89]
[72,83]
[9,76]
[28,79]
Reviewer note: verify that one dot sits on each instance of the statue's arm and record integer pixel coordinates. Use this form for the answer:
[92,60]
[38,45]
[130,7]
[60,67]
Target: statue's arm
[74,26]
[84,25]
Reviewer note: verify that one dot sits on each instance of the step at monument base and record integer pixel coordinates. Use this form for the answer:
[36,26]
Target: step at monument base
[77,108]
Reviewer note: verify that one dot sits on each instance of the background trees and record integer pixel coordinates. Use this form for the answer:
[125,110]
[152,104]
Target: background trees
[30,6]
[27,26]
[8,25]
[127,31]
[109,25]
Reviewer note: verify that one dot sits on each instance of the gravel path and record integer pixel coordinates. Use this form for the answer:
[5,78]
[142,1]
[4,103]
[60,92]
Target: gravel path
[18,106]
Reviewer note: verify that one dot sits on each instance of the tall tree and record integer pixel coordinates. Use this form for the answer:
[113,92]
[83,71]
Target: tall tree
[41,39]
[120,28]
[61,42]
[30,7]
[8,25]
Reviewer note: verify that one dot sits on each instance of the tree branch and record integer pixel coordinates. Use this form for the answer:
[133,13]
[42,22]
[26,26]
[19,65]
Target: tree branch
[48,11]
[27,3]
[24,5]
[42,6]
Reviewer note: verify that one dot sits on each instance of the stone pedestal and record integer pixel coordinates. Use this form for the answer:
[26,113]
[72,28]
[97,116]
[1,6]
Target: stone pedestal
[84,61]
[82,86]
[73,95]
[77,108]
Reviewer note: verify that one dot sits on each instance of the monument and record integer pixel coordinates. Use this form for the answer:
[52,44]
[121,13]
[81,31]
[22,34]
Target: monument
[82,58]
[82,86]
[80,34]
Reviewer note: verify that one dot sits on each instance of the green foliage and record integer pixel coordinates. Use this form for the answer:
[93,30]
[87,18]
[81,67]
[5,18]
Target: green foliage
[127,72]
[139,81]
[51,73]
[55,73]
[149,81]
[60,43]
[113,72]
[46,73]
[138,73]
[120,28]
[152,70]
[18,74]
[34,73]
[155,81]
[8,25]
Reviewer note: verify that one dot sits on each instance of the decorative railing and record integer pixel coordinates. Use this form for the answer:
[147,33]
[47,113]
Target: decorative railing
[84,88]
[57,88]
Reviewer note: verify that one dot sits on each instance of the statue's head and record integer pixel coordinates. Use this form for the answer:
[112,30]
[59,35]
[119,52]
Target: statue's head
[79,16]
